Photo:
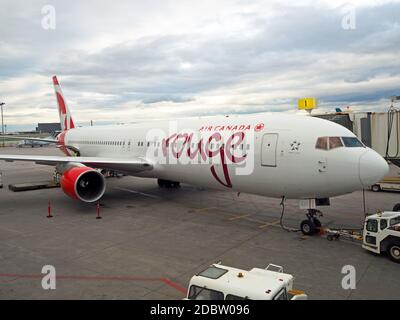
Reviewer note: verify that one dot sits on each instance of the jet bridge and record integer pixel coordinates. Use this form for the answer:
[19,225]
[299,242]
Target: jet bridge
[377,130]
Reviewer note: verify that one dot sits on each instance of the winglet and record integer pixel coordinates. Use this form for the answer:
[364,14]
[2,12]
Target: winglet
[65,116]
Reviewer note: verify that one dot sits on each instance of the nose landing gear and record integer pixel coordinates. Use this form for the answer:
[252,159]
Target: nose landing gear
[312,224]
[168,184]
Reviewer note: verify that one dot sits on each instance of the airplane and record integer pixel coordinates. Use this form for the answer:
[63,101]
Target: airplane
[273,154]
[32,144]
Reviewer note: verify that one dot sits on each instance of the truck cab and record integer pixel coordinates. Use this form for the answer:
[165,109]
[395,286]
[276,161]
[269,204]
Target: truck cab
[382,234]
[219,282]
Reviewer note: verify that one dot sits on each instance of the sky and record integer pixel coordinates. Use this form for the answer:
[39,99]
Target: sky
[127,61]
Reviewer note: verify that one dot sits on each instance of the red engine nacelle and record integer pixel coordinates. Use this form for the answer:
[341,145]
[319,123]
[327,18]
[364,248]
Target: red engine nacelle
[83,183]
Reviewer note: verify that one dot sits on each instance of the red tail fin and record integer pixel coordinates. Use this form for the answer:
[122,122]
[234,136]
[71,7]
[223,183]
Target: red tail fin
[65,116]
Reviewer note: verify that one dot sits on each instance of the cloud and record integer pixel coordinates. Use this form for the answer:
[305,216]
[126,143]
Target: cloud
[164,59]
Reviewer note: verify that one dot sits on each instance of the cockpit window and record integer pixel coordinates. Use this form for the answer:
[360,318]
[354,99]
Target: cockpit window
[322,143]
[352,142]
[329,143]
[335,142]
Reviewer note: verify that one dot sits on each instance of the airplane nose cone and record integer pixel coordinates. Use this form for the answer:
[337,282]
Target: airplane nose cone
[372,168]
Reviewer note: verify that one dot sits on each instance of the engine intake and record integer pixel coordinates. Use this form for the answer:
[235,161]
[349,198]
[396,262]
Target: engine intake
[83,183]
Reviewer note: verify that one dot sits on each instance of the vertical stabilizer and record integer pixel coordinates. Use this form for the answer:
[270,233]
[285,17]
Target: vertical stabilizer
[65,116]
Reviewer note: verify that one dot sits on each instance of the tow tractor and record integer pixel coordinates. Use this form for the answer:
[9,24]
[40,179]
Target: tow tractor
[381,234]
[219,282]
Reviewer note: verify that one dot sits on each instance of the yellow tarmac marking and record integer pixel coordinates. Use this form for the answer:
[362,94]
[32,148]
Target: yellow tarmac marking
[271,224]
[204,209]
[232,216]
[239,217]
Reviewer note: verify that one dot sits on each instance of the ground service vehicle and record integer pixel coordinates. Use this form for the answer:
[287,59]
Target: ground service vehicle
[382,234]
[219,282]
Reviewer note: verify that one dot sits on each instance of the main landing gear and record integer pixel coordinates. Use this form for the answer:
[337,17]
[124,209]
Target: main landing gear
[168,184]
[312,224]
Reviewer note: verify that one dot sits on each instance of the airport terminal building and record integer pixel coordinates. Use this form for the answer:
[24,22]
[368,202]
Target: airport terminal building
[48,127]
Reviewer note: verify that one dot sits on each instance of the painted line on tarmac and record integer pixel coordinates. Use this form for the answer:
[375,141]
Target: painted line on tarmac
[166,281]
[138,192]
[239,217]
[270,224]
[232,216]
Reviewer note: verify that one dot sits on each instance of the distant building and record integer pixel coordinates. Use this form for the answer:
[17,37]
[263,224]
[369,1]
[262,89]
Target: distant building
[48,127]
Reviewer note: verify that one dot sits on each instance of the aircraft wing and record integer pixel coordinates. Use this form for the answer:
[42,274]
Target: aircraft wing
[30,139]
[127,165]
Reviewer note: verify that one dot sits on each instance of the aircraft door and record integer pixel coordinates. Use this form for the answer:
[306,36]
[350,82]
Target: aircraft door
[268,149]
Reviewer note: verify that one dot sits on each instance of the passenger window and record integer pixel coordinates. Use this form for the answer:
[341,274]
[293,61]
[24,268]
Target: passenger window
[383,224]
[335,142]
[322,143]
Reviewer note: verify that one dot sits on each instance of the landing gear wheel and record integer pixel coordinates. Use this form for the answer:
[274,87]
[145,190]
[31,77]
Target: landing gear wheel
[168,184]
[396,207]
[161,183]
[312,225]
[307,227]
[376,188]
[175,184]
[394,252]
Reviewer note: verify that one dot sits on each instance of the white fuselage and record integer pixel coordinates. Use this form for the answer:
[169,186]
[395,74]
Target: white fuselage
[269,154]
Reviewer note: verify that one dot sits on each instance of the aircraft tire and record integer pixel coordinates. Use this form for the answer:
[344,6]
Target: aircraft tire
[175,184]
[161,183]
[396,207]
[307,227]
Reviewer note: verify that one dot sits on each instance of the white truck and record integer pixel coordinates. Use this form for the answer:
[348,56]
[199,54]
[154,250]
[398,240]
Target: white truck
[382,234]
[219,282]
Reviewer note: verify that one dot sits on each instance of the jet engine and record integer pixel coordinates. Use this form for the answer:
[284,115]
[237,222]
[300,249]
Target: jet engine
[83,183]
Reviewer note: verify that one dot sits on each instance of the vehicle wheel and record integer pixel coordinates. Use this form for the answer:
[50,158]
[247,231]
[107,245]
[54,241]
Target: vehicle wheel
[307,227]
[330,237]
[394,252]
[396,207]
[376,188]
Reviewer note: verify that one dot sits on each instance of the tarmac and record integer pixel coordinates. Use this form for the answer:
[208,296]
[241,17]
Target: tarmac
[151,241]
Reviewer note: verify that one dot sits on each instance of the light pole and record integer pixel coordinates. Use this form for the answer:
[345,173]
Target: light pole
[2,120]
